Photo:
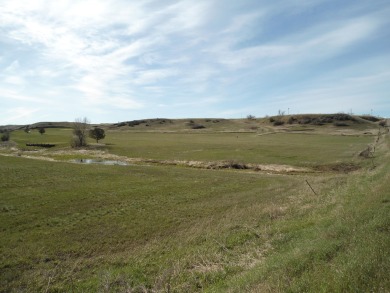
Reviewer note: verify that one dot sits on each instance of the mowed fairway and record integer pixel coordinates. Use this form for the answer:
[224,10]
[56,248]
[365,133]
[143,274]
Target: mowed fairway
[94,228]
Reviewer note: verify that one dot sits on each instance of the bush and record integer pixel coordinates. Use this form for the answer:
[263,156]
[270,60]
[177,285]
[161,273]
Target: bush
[278,123]
[382,123]
[370,118]
[197,126]
[343,117]
[292,120]
[235,165]
[41,130]
[5,136]
[340,124]
[80,127]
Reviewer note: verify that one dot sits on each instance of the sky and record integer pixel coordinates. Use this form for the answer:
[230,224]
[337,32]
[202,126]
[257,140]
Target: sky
[121,60]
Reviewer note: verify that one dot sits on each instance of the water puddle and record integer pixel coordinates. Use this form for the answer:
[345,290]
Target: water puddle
[100,162]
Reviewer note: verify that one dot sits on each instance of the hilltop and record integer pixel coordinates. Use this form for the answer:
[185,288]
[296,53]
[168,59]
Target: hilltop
[250,124]
[286,123]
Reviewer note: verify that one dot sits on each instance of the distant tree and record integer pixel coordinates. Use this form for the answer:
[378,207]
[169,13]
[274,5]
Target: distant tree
[5,136]
[27,129]
[250,117]
[41,130]
[80,128]
[97,133]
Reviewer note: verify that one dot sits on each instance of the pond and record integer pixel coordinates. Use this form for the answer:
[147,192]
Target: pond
[99,161]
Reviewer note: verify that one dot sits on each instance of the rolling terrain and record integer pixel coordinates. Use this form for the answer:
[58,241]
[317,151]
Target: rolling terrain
[198,205]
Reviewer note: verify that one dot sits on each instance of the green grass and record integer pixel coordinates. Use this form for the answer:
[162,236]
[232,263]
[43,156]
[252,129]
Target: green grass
[341,248]
[324,146]
[58,214]
[59,136]
[93,228]
[282,148]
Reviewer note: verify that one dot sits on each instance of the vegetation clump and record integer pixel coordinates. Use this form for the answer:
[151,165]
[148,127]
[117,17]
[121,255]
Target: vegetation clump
[97,133]
[340,124]
[5,136]
[80,131]
[41,130]
[193,125]
[278,123]
[198,126]
[370,118]
[135,122]
[319,120]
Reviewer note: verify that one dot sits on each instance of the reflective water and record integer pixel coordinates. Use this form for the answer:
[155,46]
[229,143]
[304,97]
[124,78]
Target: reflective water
[101,162]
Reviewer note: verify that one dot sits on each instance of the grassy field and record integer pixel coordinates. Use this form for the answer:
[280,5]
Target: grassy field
[157,228]
[280,148]
[299,149]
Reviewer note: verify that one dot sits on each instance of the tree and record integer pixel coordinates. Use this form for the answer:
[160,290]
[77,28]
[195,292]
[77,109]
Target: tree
[41,130]
[97,133]
[5,136]
[80,128]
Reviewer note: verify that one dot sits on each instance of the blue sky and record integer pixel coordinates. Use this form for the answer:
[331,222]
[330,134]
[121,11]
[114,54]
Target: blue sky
[119,60]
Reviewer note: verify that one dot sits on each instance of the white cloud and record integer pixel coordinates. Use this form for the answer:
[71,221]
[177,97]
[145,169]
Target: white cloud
[339,37]
[152,76]
[119,54]
[17,96]
[125,103]
[15,115]
[184,16]
[13,67]
[315,44]
[335,95]
[14,80]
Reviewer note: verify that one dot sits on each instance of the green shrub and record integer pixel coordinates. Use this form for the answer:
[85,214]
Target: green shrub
[197,126]
[340,124]
[278,123]
[5,136]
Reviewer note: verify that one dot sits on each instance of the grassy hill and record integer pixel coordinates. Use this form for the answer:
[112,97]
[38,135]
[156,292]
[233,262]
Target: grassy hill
[221,124]
[275,123]
[311,216]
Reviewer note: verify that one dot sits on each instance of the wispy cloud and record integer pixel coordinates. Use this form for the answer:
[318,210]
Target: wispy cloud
[138,55]
[14,115]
